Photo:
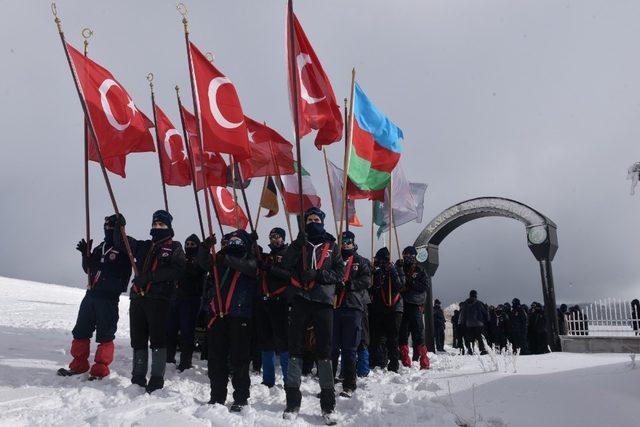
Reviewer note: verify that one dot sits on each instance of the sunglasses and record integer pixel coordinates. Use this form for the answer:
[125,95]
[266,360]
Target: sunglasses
[237,242]
[191,245]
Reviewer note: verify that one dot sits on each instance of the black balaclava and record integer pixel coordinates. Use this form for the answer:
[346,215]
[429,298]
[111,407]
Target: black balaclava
[348,237]
[191,252]
[314,230]
[110,221]
[280,233]
[382,257]
[238,248]
[158,234]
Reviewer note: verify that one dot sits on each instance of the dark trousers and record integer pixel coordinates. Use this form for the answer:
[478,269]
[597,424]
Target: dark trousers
[320,316]
[229,342]
[148,322]
[182,317]
[97,314]
[473,334]
[272,318]
[347,326]
[439,337]
[412,322]
[383,330]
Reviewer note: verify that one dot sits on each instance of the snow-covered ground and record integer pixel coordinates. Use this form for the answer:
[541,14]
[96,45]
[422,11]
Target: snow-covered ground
[558,389]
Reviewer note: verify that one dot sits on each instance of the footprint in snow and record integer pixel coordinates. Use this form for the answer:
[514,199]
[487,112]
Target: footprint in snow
[400,398]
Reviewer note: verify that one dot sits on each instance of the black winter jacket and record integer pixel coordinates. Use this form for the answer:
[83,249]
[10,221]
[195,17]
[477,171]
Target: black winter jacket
[327,275]
[110,271]
[416,281]
[355,292]
[438,317]
[272,286]
[473,313]
[163,261]
[385,292]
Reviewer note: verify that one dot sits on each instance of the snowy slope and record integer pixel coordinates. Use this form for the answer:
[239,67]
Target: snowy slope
[555,389]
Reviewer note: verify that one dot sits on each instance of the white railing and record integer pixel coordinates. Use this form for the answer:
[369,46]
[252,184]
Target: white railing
[608,317]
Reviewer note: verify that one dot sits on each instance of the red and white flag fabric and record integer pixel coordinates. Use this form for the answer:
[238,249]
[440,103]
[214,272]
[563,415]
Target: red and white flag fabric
[173,153]
[215,168]
[119,126]
[229,212]
[221,117]
[290,192]
[316,103]
[271,154]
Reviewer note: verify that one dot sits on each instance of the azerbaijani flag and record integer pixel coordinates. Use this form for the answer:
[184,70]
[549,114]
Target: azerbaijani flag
[375,145]
[290,191]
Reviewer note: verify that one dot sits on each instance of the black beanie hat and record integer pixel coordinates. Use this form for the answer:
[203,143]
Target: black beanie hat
[314,211]
[193,238]
[383,254]
[473,294]
[111,220]
[162,216]
[410,250]
[279,231]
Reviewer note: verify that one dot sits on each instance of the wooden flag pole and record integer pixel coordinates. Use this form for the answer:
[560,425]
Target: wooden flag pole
[182,9]
[373,210]
[158,146]
[244,198]
[280,186]
[83,103]
[347,156]
[395,231]
[86,34]
[264,186]
[233,188]
[187,145]
[390,208]
[346,182]
[333,203]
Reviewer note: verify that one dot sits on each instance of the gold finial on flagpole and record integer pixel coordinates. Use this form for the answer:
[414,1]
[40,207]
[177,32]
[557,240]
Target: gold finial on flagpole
[57,20]
[86,34]
[210,56]
[182,10]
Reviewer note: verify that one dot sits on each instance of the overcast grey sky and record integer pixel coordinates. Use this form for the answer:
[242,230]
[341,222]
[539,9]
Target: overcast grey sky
[533,100]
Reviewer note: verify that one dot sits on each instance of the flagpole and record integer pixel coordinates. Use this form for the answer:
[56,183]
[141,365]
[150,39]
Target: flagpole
[346,183]
[373,211]
[86,34]
[395,231]
[279,185]
[233,188]
[182,9]
[333,203]
[187,145]
[155,123]
[264,185]
[347,157]
[390,208]
[244,197]
[296,123]
[58,22]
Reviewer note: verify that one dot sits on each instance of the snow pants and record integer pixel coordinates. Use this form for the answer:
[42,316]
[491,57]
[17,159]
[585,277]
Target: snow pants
[412,322]
[384,328]
[99,315]
[148,322]
[182,317]
[347,328]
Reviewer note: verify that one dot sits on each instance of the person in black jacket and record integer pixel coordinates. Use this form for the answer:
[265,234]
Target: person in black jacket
[349,307]
[314,267]
[385,312]
[272,310]
[438,324]
[231,296]
[635,316]
[500,327]
[519,327]
[474,315]
[413,295]
[160,263]
[109,271]
[537,329]
[457,334]
[184,306]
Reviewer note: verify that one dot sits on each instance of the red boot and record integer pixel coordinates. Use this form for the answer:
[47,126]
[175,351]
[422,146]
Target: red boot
[404,355]
[80,351]
[104,357]
[424,358]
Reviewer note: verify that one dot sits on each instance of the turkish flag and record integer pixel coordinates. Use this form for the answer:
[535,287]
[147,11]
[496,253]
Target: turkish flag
[215,168]
[316,103]
[222,121]
[229,213]
[119,126]
[173,154]
[271,154]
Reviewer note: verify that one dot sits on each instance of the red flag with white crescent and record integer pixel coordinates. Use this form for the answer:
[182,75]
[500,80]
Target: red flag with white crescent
[215,168]
[119,126]
[316,103]
[228,209]
[173,154]
[221,117]
[271,154]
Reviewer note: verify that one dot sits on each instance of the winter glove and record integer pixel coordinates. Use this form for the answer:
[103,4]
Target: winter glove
[347,285]
[210,241]
[84,247]
[400,263]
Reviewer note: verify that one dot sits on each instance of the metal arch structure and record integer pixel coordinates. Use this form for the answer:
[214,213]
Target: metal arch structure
[540,232]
